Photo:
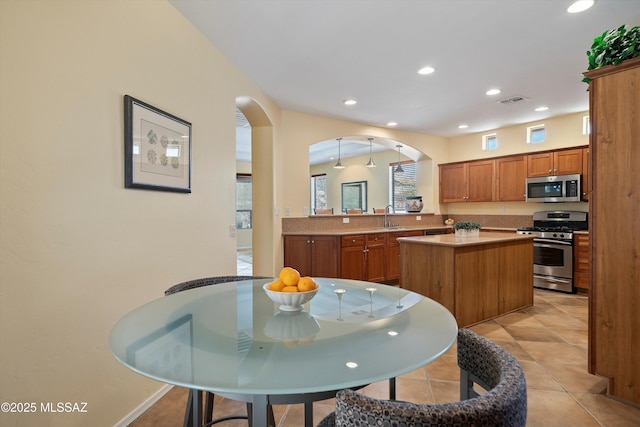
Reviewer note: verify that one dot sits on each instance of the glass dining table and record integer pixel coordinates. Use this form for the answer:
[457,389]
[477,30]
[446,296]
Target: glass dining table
[233,340]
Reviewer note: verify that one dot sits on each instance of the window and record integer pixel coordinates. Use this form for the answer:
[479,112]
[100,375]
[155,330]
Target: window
[490,141]
[319,192]
[401,184]
[536,134]
[354,196]
[586,125]
[243,201]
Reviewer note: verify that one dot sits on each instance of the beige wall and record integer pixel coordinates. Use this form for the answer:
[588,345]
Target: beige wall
[562,131]
[78,251]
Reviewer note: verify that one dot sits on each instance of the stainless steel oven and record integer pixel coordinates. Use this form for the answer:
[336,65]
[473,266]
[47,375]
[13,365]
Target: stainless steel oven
[553,248]
[553,264]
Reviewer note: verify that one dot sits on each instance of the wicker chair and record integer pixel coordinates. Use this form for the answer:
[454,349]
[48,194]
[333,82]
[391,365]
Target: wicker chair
[481,362]
[209,397]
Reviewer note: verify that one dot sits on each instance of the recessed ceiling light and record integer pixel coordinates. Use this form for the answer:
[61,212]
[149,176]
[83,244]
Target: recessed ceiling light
[463,126]
[543,108]
[350,102]
[426,70]
[580,6]
[493,91]
[391,124]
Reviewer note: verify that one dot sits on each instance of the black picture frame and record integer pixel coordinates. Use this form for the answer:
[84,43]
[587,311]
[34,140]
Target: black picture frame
[157,148]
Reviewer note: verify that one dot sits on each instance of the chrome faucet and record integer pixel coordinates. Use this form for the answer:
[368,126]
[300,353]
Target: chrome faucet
[386,211]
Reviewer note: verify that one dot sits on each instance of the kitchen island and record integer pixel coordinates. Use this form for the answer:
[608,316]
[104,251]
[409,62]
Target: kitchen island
[476,278]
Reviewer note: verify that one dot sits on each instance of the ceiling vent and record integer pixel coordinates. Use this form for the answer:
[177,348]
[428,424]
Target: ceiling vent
[513,100]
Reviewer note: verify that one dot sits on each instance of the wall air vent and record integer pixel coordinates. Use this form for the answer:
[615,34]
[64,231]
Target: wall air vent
[513,100]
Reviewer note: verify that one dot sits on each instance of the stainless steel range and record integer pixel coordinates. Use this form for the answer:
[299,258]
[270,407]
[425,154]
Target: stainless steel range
[553,248]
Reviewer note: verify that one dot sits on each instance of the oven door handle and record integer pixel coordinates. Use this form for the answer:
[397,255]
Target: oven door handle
[553,242]
[551,279]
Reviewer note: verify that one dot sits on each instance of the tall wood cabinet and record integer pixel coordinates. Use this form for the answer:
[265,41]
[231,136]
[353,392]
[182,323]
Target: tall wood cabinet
[614,230]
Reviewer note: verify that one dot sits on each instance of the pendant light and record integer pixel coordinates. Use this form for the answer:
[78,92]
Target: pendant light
[338,164]
[399,167]
[370,163]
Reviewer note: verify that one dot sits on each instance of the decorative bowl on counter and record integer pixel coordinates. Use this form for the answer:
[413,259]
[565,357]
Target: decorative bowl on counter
[414,203]
[449,221]
[290,301]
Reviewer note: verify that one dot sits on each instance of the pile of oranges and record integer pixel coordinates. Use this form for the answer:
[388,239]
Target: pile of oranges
[290,281]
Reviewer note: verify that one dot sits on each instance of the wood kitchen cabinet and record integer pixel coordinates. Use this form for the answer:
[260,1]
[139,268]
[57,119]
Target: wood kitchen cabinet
[614,214]
[467,182]
[511,174]
[560,162]
[475,280]
[586,183]
[317,256]
[581,262]
[364,257]
[393,252]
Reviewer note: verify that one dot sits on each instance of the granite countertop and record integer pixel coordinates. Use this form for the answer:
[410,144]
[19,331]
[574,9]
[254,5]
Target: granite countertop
[486,238]
[585,232]
[352,231]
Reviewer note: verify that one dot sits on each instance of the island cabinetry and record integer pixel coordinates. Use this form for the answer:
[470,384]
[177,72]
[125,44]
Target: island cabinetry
[393,252]
[581,264]
[316,256]
[511,174]
[561,162]
[467,182]
[479,280]
[364,257]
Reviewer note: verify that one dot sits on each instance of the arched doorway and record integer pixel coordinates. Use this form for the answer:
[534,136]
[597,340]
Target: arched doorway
[262,236]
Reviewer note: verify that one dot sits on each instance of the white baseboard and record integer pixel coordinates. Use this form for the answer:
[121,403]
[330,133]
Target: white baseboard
[144,406]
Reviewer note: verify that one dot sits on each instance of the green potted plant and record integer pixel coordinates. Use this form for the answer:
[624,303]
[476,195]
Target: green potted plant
[467,229]
[613,47]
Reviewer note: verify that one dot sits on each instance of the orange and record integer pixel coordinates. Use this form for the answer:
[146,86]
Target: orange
[276,286]
[306,284]
[290,289]
[289,276]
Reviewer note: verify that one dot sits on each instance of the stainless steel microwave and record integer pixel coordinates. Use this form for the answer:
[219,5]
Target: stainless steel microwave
[554,189]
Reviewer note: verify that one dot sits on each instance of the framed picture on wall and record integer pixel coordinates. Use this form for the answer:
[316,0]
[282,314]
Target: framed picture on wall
[157,148]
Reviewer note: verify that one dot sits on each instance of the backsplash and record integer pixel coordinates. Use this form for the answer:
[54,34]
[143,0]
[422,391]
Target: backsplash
[369,221]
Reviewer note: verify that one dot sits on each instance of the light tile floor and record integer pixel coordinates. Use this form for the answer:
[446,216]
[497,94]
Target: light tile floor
[549,340]
[245,262]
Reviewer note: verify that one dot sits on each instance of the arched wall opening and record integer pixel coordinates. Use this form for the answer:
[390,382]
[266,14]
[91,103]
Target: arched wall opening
[262,148]
[356,151]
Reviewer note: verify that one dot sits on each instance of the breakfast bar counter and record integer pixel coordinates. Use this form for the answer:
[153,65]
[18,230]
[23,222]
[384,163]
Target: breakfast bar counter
[476,278]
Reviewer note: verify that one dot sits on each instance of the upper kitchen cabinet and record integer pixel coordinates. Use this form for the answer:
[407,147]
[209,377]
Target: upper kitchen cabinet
[511,174]
[467,182]
[561,162]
